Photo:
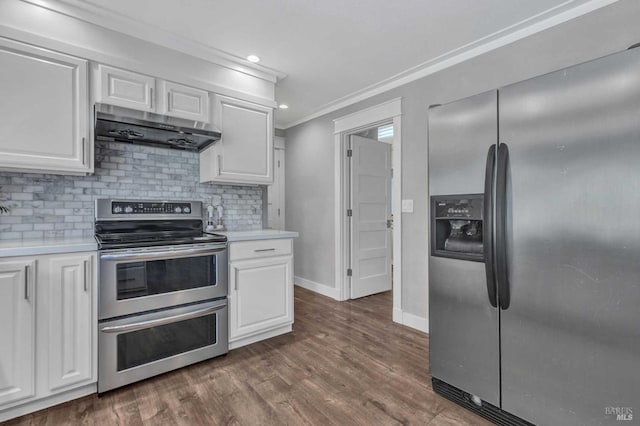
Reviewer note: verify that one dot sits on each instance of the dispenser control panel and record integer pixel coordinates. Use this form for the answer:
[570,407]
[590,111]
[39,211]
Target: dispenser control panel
[457,227]
[463,208]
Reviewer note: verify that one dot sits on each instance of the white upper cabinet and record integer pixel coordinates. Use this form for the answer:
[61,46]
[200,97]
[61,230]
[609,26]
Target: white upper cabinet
[244,155]
[45,108]
[183,101]
[125,88]
[144,93]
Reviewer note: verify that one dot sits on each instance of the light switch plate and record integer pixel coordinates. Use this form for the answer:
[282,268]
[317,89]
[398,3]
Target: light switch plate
[407,206]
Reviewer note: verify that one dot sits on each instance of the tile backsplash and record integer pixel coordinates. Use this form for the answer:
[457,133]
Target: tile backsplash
[49,206]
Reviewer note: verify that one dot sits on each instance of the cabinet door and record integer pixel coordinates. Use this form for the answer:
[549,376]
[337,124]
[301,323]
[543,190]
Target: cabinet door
[245,152]
[44,108]
[261,295]
[17,330]
[125,88]
[183,101]
[69,319]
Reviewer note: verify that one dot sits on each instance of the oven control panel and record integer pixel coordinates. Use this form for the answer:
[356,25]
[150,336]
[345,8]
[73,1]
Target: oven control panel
[164,208]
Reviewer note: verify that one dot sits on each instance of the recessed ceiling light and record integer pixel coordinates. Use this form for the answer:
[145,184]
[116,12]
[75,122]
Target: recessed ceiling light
[283,106]
[253,58]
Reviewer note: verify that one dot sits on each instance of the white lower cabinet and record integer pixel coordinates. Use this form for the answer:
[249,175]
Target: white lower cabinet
[69,337]
[17,330]
[260,290]
[48,324]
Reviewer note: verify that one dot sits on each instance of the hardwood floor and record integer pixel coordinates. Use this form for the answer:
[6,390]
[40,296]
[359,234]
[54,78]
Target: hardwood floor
[345,363]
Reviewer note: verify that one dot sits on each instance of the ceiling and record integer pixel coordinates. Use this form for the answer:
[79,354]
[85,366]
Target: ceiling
[329,53]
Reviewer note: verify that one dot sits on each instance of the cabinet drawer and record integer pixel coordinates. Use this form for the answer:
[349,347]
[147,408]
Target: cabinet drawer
[259,248]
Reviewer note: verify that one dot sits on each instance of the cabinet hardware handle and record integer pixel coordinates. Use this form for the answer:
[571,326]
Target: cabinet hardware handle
[151,97]
[168,101]
[26,282]
[164,254]
[269,249]
[84,151]
[85,275]
[127,328]
[219,164]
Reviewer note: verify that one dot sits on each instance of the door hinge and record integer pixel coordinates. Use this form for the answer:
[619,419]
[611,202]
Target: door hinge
[349,212]
[349,272]
[349,153]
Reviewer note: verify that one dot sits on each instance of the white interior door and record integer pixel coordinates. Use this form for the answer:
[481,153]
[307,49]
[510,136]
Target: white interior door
[275,192]
[371,208]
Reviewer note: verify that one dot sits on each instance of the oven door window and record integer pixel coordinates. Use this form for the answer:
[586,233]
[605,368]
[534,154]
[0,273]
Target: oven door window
[139,279]
[152,344]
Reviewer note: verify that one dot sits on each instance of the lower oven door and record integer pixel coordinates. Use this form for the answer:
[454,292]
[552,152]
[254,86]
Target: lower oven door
[141,346]
[138,280]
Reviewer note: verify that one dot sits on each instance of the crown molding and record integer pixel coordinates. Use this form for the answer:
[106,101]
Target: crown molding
[535,24]
[135,28]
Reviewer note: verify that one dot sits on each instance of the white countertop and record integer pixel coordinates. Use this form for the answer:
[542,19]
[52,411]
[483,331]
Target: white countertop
[35,247]
[260,234]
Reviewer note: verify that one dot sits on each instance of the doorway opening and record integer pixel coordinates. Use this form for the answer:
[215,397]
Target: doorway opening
[368,183]
[370,214]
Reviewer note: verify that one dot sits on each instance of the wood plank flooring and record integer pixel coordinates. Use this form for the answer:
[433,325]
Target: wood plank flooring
[345,363]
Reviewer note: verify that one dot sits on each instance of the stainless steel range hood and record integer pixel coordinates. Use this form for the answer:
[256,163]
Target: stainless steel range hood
[127,125]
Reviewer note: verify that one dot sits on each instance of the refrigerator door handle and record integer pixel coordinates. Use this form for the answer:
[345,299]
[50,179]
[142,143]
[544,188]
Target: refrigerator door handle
[487,224]
[501,227]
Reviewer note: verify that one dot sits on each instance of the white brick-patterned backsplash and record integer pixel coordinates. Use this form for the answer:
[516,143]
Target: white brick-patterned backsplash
[49,206]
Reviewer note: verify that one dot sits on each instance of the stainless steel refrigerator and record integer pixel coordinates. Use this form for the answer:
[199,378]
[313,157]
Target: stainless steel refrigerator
[534,266]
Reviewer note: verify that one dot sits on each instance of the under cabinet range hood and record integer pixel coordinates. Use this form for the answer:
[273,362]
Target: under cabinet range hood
[146,128]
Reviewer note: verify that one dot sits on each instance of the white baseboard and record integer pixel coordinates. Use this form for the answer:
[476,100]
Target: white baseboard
[411,320]
[323,289]
[397,315]
[259,336]
[47,402]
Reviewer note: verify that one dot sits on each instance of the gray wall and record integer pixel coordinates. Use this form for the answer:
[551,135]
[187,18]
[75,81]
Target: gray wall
[309,154]
[309,199]
[47,206]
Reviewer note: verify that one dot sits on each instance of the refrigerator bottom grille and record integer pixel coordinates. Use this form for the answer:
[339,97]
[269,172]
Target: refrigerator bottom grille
[486,410]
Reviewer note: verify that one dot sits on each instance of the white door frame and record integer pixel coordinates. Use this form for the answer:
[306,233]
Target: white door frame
[390,111]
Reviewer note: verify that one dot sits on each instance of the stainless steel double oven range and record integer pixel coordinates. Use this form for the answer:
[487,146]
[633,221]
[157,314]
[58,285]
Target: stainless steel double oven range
[162,289]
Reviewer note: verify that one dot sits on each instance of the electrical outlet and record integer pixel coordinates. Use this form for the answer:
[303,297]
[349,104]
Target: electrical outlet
[407,206]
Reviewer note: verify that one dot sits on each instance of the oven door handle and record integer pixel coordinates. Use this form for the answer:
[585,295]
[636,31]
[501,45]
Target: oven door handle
[126,328]
[162,254]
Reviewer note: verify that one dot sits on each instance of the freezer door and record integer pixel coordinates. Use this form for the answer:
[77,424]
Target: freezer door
[571,335]
[463,324]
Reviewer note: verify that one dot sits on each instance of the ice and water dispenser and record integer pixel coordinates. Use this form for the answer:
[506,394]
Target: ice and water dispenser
[456,226]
